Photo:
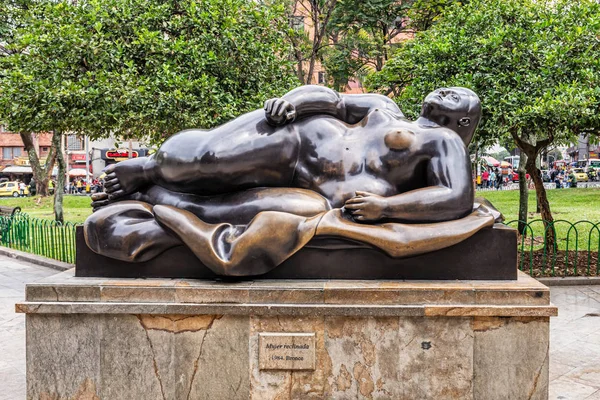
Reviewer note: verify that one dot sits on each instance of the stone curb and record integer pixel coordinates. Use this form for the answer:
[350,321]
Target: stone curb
[35,259]
[570,281]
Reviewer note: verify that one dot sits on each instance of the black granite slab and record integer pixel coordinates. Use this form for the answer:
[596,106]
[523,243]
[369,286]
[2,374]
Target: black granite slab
[490,254]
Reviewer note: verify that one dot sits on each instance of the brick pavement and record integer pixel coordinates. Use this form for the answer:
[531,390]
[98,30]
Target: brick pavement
[574,336]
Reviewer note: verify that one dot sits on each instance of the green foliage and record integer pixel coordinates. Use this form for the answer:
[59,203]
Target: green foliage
[142,68]
[534,63]
[363,32]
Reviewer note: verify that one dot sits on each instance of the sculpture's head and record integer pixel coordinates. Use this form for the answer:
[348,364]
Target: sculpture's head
[456,108]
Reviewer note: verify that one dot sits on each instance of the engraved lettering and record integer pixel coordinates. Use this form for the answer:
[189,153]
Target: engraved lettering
[286,351]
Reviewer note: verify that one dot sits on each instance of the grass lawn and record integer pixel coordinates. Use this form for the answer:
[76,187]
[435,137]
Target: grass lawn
[566,204]
[76,208]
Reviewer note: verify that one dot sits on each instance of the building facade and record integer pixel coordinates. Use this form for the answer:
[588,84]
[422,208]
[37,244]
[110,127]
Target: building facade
[12,149]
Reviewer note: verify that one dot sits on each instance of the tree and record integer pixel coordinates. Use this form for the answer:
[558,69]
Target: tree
[140,68]
[363,33]
[12,18]
[309,41]
[532,62]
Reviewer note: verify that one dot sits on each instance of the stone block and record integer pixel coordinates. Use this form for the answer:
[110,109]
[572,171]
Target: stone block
[178,339]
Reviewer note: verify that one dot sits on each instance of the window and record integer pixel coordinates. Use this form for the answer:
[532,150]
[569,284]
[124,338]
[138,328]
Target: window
[321,77]
[2,185]
[8,153]
[11,185]
[45,149]
[74,143]
[297,22]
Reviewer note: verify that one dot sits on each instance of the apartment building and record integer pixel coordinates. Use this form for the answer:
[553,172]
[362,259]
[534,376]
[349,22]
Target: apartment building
[12,149]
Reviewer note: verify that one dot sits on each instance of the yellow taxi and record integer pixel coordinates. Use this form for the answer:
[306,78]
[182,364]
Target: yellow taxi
[580,174]
[12,189]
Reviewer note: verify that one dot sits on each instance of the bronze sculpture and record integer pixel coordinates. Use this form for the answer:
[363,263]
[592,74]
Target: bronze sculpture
[247,195]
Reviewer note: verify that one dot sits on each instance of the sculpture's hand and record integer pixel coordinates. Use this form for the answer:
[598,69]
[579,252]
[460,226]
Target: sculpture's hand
[366,206]
[279,111]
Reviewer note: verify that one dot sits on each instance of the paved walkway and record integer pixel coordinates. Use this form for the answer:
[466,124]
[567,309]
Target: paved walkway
[13,276]
[575,343]
[574,336]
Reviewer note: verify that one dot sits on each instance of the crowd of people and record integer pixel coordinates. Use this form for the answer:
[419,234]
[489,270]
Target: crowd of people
[74,186]
[495,178]
[562,178]
[80,186]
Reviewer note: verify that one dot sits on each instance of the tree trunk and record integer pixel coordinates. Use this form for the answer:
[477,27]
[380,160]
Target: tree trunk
[40,174]
[523,194]
[59,189]
[542,199]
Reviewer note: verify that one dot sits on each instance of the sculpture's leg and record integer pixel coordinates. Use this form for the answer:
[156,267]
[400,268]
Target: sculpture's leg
[235,208]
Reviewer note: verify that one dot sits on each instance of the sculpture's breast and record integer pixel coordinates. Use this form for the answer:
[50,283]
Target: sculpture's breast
[337,159]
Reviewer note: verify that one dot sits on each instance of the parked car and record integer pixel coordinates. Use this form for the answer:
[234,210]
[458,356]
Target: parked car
[12,189]
[580,174]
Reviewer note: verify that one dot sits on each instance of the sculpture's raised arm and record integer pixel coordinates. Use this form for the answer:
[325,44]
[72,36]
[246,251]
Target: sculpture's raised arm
[311,100]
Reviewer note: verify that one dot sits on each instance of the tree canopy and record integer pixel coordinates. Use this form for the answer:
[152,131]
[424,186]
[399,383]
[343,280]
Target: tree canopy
[141,68]
[534,63]
[363,33]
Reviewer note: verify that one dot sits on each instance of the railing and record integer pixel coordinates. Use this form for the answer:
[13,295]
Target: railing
[574,251]
[46,238]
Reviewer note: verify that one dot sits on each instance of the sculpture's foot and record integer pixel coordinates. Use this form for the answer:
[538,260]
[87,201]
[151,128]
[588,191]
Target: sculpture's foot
[125,177]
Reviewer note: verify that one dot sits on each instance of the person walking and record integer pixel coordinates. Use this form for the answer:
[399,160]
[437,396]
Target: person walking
[22,187]
[498,180]
[485,176]
[572,179]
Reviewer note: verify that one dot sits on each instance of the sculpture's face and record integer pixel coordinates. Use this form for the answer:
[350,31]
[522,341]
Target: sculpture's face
[456,108]
[446,103]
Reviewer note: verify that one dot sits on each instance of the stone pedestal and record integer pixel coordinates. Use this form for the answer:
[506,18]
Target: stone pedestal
[190,339]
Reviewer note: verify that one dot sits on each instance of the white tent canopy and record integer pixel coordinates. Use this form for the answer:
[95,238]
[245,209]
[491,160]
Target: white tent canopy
[15,169]
[77,172]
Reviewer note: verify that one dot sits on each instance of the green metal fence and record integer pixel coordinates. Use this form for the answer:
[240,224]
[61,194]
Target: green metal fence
[44,237]
[573,253]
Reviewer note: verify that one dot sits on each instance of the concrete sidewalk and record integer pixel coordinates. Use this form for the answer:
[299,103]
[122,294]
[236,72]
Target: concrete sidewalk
[574,335]
[575,343]
[13,276]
